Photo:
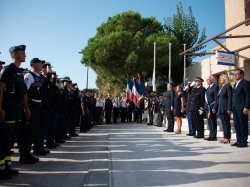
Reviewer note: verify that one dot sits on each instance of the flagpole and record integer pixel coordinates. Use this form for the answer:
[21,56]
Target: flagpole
[153,79]
[169,64]
[184,68]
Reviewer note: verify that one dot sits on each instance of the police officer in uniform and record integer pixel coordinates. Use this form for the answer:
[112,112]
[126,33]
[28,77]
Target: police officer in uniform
[33,81]
[197,106]
[47,98]
[13,98]
[1,65]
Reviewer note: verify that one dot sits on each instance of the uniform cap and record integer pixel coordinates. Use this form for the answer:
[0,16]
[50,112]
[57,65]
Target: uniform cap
[17,48]
[47,64]
[198,79]
[36,60]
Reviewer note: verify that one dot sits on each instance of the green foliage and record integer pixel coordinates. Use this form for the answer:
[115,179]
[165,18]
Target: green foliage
[124,46]
[185,29]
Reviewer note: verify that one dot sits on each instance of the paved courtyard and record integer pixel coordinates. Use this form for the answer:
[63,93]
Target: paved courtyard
[136,155]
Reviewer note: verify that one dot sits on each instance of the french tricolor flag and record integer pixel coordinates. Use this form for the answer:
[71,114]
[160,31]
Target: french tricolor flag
[129,90]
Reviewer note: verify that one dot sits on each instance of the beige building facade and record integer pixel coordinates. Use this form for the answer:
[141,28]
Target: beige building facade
[234,14]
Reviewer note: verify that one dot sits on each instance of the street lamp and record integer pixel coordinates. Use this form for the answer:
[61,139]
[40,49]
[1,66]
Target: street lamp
[184,68]
[87,81]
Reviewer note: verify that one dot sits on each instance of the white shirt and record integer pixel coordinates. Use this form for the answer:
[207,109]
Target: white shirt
[29,79]
[123,103]
[99,103]
[116,103]
[237,83]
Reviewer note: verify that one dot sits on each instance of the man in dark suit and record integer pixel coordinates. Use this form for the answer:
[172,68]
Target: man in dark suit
[210,97]
[241,106]
[168,105]
[197,105]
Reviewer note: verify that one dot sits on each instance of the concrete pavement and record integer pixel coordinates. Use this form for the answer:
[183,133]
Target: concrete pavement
[136,155]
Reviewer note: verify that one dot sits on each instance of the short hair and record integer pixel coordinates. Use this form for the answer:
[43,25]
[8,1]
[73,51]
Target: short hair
[240,70]
[225,77]
[181,88]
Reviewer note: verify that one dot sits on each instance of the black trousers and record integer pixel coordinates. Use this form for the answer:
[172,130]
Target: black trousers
[6,137]
[98,113]
[42,130]
[52,128]
[28,129]
[225,120]
[198,123]
[115,114]
[241,126]
[74,120]
[212,125]
[170,118]
[108,113]
[124,114]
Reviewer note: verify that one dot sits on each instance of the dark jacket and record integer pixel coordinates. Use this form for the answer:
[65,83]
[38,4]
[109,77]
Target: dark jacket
[224,99]
[241,95]
[197,100]
[211,95]
[169,99]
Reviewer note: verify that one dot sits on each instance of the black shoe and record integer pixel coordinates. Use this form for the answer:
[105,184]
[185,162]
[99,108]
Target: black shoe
[28,159]
[235,144]
[170,130]
[74,135]
[51,146]
[41,152]
[190,134]
[67,137]
[200,137]
[4,175]
[60,141]
[212,139]
[166,130]
[242,145]
[12,171]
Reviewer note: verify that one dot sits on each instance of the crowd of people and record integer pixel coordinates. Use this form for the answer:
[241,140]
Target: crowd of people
[196,102]
[40,111]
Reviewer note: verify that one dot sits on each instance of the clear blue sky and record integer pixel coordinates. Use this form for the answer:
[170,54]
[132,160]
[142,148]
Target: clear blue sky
[56,30]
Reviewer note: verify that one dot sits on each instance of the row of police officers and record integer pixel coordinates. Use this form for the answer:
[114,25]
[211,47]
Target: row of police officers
[34,106]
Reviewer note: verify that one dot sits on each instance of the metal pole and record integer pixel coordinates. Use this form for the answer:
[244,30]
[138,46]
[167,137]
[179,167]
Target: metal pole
[169,64]
[184,68]
[153,79]
[87,81]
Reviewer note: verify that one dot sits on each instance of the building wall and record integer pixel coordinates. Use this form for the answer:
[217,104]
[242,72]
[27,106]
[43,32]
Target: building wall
[234,14]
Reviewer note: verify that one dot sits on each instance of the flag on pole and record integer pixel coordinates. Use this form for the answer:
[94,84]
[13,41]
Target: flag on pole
[129,90]
[138,92]
[135,95]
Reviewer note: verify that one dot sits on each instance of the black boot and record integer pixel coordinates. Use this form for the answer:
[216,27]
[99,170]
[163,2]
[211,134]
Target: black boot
[28,159]
[4,175]
[9,169]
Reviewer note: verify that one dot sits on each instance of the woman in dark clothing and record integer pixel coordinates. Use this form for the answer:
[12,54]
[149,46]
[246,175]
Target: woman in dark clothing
[179,108]
[224,107]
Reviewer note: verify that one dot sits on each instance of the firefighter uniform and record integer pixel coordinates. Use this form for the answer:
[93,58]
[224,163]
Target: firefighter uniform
[12,93]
